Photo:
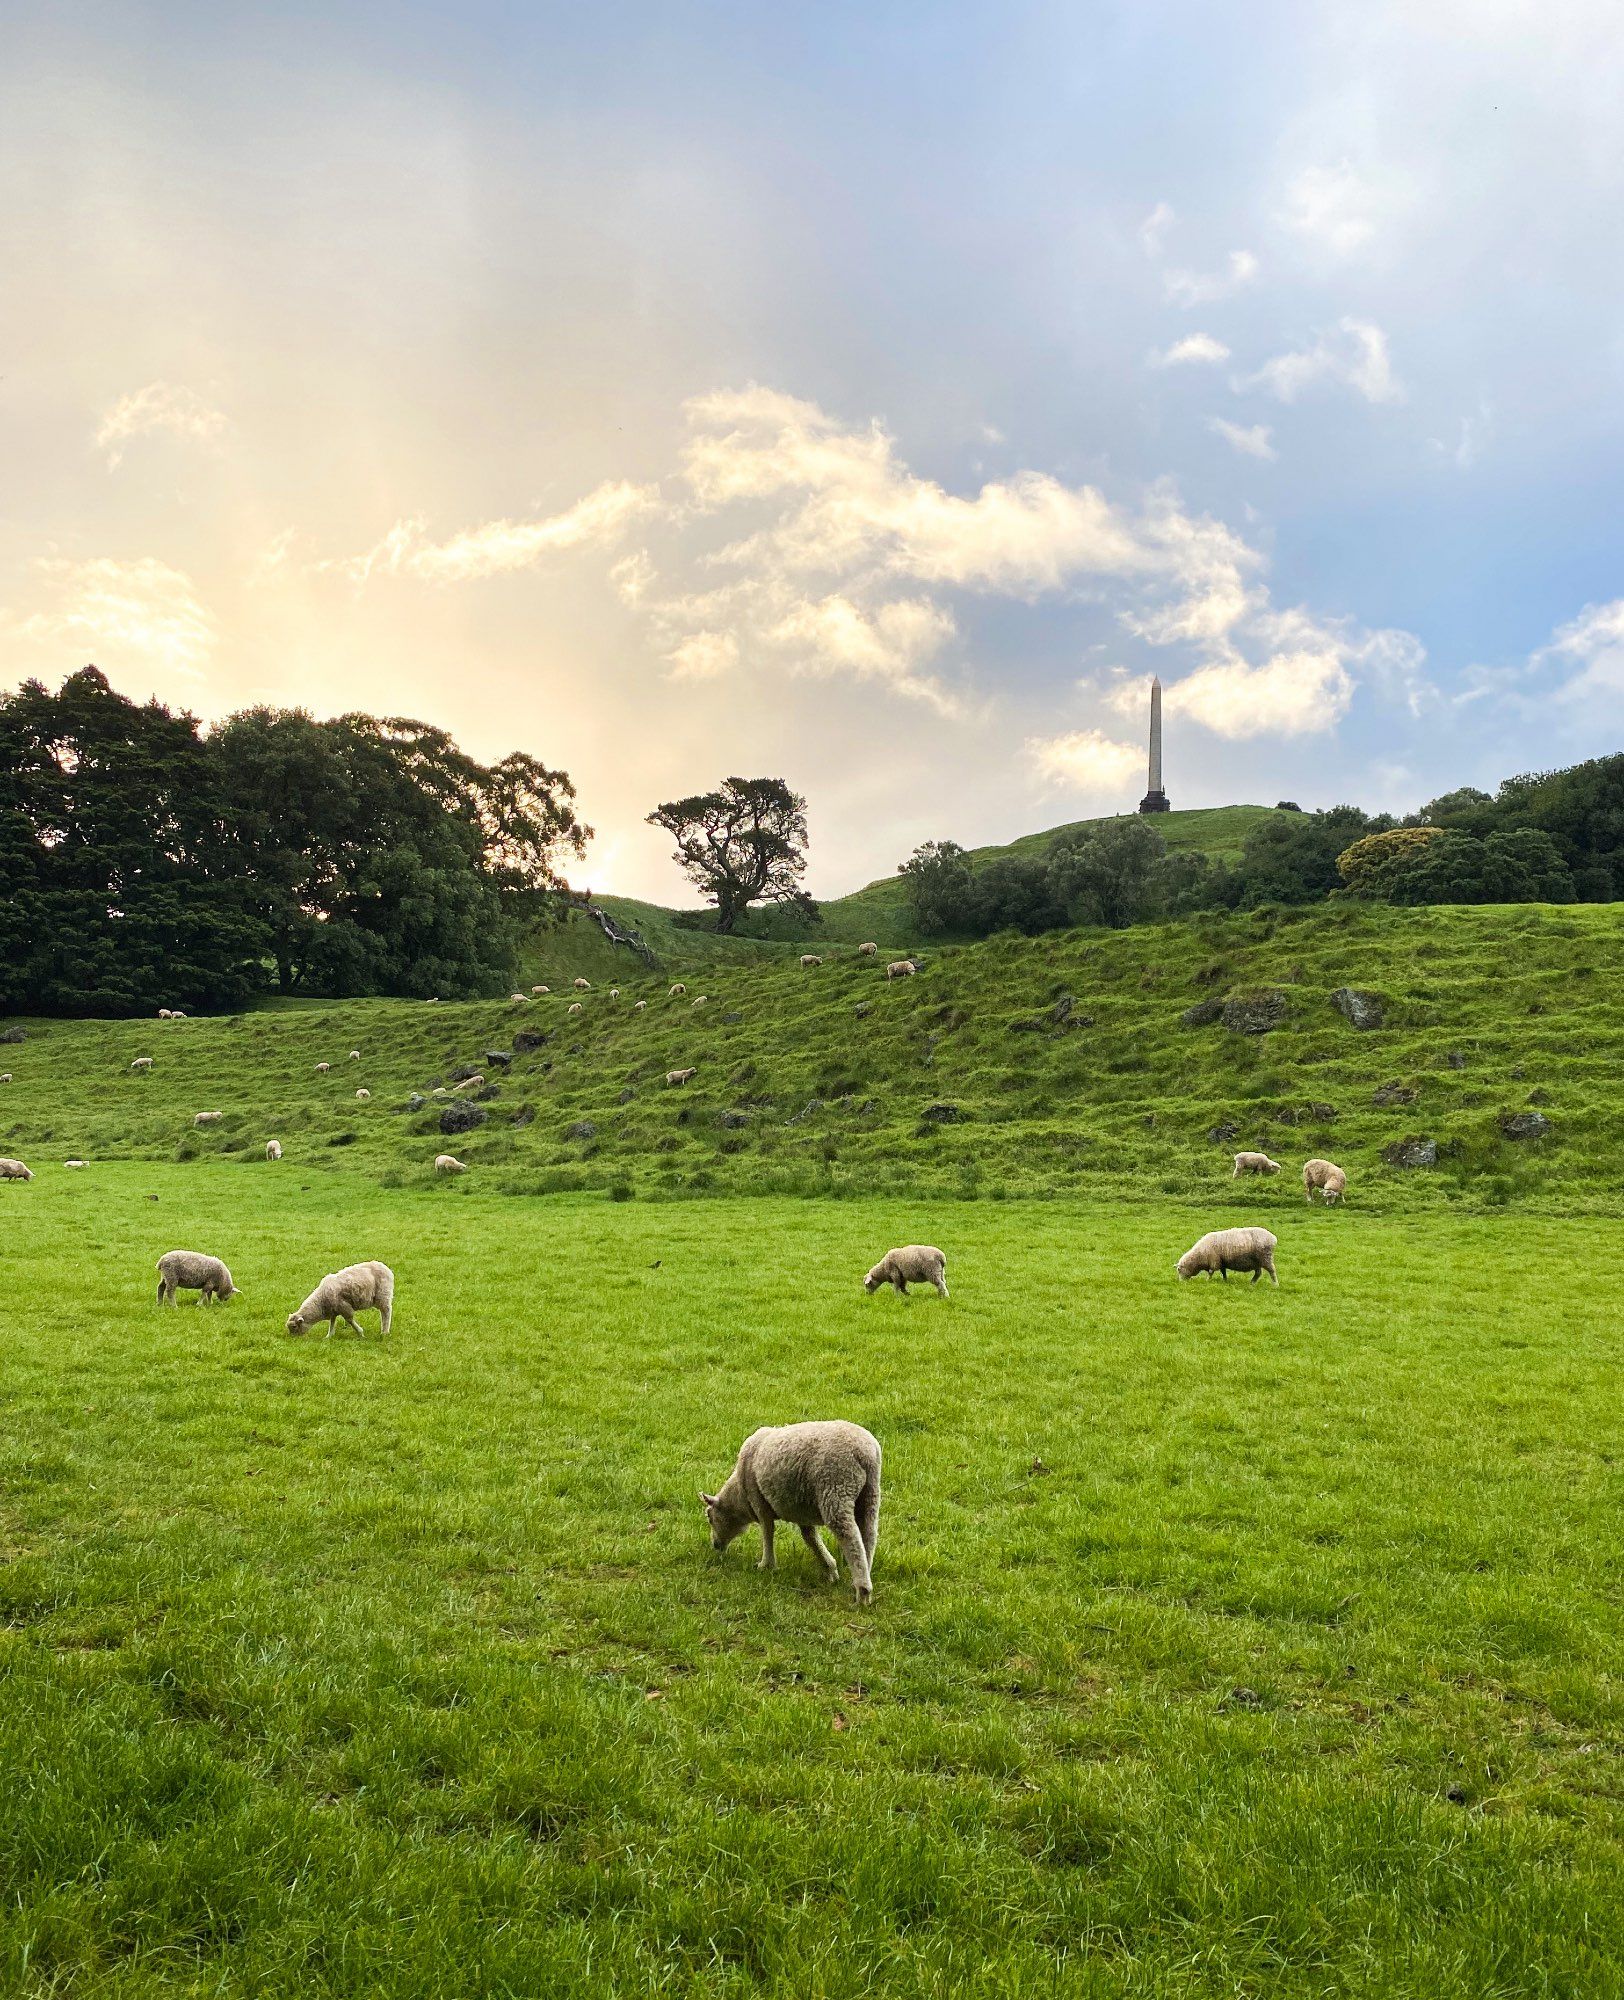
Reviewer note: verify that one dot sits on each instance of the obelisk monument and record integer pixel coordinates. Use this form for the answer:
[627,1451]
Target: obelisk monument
[1155,799]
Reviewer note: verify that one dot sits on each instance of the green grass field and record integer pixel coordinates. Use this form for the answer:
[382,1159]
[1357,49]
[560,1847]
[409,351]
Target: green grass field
[1225,1640]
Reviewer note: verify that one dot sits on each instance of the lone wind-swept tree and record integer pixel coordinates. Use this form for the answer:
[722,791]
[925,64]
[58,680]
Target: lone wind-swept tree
[743,843]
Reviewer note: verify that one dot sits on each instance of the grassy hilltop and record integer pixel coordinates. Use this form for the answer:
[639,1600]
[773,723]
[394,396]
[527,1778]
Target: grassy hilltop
[1070,1062]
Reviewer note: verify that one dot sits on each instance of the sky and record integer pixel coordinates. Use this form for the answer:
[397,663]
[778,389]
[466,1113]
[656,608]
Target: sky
[874,395]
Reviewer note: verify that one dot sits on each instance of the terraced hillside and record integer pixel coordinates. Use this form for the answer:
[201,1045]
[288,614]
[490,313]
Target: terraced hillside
[1131,1063]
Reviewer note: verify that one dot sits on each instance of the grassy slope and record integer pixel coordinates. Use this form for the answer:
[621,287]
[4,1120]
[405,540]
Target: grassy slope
[880,910]
[403,1669]
[818,1082]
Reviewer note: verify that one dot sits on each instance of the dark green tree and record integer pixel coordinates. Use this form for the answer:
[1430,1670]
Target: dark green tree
[744,843]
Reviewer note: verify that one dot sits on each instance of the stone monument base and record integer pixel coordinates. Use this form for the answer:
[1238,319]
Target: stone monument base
[1155,802]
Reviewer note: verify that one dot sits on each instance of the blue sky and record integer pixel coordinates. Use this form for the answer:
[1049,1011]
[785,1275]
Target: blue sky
[875,395]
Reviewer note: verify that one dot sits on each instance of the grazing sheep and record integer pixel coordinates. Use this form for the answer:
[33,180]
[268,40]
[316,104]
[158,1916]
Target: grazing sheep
[141,1062]
[637,1006]
[901,968]
[432,1001]
[74,1163]
[818,1475]
[164,1014]
[913,1264]
[273,1149]
[14,1170]
[1254,1163]
[342,1294]
[175,1014]
[208,1117]
[518,999]
[323,1068]
[614,993]
[363,1095]
[810,958]
[574,1007]
[700,1002]
[583,985]
[1326,1176]
[192,1271]
[441,1091]
[355,1055]
[680,1075]
[867,950]
[541,989]
[5,1076]
[476,1082]
[444,1163]
[676,990]
[1226,1250]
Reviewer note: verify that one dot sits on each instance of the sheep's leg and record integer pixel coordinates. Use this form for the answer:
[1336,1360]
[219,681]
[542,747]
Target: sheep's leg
[331,1323]
[1274,1277]
[868,1518]
[901,1285]
[1223,1272]
[941,1287]
[826,1562]
[851,1547]
[350,1322]
[767,1559]
[386,1313]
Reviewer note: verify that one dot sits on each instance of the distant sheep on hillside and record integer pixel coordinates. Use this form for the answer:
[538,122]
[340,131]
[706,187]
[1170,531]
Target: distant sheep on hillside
[1254,1163]
[445,1163]
[342,1294]
[208,1117]
[164,1014]
[614,993]
[1327,1178]
[273,1149]
[676,991]
[680,1075]
[14,1170]
[1226,1250]
[638,1006]
[518,1000]
[810,958]
[141,1062]
[323,1068]
[702,1000]
[5,1076]
[867,950]
[363,1095]
[583,985]
[573,1008]
[901,968]
[541,989]
[355,1055]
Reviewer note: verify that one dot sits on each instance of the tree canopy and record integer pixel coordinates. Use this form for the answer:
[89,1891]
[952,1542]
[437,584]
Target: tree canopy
[741,844]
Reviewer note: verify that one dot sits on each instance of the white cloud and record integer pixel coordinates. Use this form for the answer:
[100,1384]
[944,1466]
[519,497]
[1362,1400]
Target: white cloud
[1089,761]
[1250,440]
[1153,230]
[1200,288]
[1594,643]
[135,615]
[160,406]
[497,547]
[891,643]
[1353,352]
[1193,348]
[633,576]
[1336,209]
[1472,440]
[703,655]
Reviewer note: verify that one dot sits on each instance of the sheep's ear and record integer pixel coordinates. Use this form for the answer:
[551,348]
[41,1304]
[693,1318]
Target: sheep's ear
[708,1498]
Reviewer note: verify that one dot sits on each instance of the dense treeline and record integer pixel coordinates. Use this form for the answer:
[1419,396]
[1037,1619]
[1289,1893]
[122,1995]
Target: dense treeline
[144,863]
[1550,837]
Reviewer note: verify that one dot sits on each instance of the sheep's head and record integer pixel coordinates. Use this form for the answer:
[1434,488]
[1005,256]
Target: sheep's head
[1271,1166]
[726,1521]
[297,1323]
[1188,1265]
[875,1279]
[1332,1193]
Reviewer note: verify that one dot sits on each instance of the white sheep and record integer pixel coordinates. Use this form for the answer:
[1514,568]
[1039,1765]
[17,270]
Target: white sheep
[1325,1176]
[574,1007]
[1254,1163]
[637,1007]
[323,1068]
[810,958]
[541,989]
[432,1001]
[701,1001]
[518,999]
[583,985]
[175,1014]
[444,1163]
[817,1475]
[208,1117]
[1226,1250]
[441,1091]
[5,1076]
[14,1170]
[913,1264]
[193,1271]
[614,993]
[75,1163]
[680,1075]
[164,1014]
[676,991]
[901,968]
[867,950]
[141,1062]
[355,1055]
[475,1082]
[273,1149]
[342,1294]
[363,1095]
